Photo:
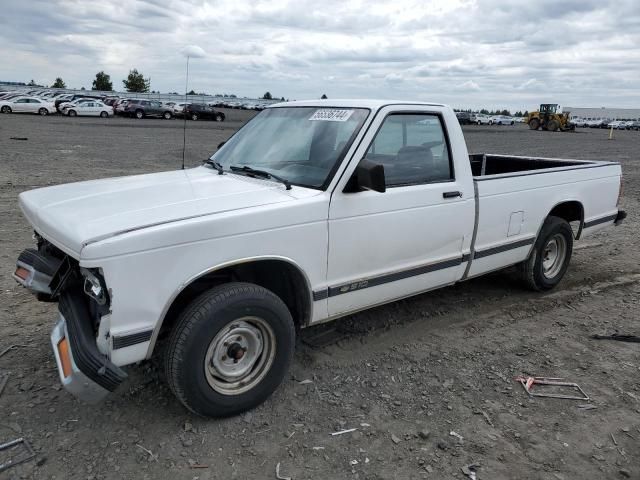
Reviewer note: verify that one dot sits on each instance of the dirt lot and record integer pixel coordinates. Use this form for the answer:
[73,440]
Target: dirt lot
[406,376]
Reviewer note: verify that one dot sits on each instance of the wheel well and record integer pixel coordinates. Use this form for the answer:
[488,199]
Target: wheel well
[571,211]
[279,276]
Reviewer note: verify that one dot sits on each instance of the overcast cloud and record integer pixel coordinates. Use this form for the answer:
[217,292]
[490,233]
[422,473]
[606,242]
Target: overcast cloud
[468,53]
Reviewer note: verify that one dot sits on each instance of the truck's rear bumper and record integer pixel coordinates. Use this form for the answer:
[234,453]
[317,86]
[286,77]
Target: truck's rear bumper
[620,217]
[84,371]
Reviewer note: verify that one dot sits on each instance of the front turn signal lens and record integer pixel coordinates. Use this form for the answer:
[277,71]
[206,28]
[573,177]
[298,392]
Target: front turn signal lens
[65,357]
[22,273]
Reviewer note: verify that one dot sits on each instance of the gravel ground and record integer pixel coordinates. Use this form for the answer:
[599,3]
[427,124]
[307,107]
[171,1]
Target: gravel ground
[427,382]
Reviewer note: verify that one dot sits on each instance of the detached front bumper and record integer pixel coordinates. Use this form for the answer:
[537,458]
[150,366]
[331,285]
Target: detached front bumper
[83,370]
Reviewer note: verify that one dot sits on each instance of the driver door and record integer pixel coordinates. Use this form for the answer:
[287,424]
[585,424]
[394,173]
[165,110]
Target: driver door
[410,238]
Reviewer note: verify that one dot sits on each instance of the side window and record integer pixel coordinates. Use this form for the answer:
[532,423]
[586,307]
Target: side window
[22,100]
[413,150]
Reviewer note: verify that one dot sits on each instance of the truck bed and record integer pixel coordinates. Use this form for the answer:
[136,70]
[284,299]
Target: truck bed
[483,164]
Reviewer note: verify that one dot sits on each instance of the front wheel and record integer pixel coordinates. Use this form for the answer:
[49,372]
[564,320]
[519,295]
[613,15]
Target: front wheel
[139,114]
[43,112]
[550,256]
[534,124]
[194,117]
[6,109]
[219,118]
[72,113]
[230,349]
[166,115]
[104,114]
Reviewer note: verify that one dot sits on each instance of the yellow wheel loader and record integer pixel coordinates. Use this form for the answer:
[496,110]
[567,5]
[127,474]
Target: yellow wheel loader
[550,117]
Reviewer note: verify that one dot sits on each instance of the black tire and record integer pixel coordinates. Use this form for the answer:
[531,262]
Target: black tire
[534,124]
[104,114]
[166,115]
[43,112]
[194,116]
[211,319]
[219,117]
[72,113]
[139,114]
[553,125]
[533,270]
[6,109]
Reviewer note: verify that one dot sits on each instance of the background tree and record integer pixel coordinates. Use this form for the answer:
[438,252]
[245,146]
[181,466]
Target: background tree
[102,82]
[136,82]
[267,96]
[323,97]
[59,83]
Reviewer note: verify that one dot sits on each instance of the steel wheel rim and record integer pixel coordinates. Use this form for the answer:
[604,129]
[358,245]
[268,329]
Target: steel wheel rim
[240,355]
[553,256]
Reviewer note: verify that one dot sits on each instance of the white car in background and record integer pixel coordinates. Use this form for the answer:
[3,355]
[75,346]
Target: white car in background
[27,105]
[482,119]
[93,108]
[77,101]
[178,109]
[501,120]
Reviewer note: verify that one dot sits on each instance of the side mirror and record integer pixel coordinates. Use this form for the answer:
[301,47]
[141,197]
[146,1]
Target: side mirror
[370,176]
[220,145]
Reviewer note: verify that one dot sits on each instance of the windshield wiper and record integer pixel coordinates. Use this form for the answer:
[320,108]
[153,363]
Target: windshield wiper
[215,165]
[260,173]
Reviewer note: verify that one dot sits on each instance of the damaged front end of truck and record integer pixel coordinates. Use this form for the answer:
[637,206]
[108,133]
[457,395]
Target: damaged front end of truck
[83,301]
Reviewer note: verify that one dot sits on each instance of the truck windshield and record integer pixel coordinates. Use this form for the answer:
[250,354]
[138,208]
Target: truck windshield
[299,144]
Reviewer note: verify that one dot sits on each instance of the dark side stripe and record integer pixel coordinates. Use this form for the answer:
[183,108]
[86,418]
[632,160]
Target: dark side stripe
[412,272]
[503,248]
[598,221]
[133,339]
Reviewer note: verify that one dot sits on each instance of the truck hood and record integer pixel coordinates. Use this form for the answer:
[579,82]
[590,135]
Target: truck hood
[76,214]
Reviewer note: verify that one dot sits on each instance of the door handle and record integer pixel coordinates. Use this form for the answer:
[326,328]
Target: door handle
[452,194]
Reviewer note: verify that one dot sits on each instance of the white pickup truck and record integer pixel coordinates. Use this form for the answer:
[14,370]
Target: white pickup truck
[310,212]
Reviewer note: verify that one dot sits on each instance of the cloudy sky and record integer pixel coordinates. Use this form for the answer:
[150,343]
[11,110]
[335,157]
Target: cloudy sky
[468,53]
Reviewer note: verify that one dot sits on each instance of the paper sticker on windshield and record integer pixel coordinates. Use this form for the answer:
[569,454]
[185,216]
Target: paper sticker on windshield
[331,115]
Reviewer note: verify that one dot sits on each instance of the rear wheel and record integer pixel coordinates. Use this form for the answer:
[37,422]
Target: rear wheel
[6,109]
[43,112]
[166,115]
[219,117]
[230,349]
[139,114]
[534,124]
[72,113]
[194,116]
[550,256]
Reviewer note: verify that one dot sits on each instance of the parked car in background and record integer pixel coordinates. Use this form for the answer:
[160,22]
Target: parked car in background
[71,98]
[27,105]
[482,119]
[465,118]
[62,106]
[580,122]
[140,108]
[617,124]
[92,108]
[199,112]
[501,120]
[178,109]
[119,106]
[635,125]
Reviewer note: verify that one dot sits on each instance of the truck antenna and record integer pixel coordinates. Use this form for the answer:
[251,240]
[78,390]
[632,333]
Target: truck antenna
[184,114]
[195,52]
